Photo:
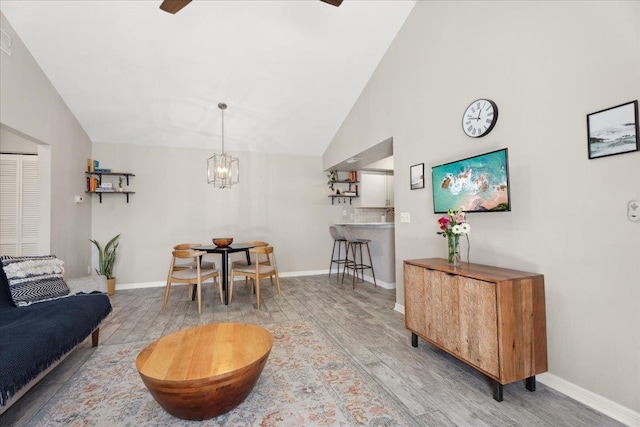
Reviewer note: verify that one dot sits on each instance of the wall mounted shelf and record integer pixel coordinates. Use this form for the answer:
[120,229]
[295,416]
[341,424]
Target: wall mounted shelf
[100,193]
[344,198]
[126,175]
[352,189]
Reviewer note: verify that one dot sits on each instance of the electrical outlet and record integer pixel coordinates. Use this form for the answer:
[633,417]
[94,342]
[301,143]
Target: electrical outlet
[344,212]
[79,199]
[89,269]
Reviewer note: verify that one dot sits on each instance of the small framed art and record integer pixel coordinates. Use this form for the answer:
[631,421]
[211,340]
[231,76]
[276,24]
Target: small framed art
[417,176]
[613,131]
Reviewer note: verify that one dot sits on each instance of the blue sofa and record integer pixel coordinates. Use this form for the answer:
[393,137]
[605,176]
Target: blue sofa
[35,338]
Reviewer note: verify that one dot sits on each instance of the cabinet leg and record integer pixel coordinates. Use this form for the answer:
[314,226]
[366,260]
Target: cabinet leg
[530,383]
[497,391]
[414,340]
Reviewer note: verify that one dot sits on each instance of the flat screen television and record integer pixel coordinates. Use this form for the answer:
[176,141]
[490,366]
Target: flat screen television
[475,184]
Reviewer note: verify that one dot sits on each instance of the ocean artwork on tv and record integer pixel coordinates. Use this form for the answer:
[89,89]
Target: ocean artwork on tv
[475,184]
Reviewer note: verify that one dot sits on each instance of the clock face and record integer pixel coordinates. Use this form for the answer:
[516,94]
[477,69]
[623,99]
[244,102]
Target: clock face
[480,118]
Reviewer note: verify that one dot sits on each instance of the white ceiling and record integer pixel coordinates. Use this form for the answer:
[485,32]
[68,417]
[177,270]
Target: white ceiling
[289,71]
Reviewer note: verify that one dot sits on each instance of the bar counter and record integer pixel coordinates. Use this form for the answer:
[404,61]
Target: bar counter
[382,247]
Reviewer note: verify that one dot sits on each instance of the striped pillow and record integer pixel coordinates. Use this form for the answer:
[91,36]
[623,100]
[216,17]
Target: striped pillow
[34,278]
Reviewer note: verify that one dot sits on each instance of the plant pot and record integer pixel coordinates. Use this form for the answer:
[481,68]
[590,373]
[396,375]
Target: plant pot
[111,286]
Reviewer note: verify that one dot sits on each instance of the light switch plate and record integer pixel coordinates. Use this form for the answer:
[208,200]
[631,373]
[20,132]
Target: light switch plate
[405,217]
[633,210]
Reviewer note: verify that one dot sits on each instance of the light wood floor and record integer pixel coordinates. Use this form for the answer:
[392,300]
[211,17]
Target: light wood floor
[433,388]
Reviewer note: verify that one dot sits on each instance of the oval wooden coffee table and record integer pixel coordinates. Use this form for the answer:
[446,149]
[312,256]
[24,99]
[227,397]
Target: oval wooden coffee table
[203,372]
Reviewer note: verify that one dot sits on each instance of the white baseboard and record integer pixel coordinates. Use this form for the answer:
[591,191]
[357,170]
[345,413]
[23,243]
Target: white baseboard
[592,400]
[143,285]
[369,279]
[380,283]
[399,308]
[161,284]
[304,273]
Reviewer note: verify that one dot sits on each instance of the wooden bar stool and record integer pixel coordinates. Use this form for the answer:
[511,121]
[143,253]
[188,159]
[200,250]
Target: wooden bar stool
[338,240]
[354,245]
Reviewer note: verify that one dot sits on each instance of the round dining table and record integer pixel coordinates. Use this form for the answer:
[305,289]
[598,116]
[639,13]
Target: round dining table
[224,251]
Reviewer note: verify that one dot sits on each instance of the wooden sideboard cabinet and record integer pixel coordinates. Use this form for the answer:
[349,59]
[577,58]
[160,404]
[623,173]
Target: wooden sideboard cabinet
[491,318]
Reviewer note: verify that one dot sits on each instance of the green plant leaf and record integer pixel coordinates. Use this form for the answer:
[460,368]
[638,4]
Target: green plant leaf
[106,256]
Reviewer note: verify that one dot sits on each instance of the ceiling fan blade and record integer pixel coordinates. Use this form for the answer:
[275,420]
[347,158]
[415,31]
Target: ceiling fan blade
[173,6]
[335,3]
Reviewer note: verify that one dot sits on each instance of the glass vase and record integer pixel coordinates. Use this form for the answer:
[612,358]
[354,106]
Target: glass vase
[453,242]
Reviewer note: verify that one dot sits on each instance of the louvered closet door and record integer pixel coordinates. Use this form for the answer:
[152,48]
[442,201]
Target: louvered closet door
[18,204]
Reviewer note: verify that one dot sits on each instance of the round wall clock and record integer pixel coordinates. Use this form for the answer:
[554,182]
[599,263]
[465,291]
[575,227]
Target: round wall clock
[479,118]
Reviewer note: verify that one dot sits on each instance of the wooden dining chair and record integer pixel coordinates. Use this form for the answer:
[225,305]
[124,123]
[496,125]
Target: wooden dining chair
[190,276]
[257,270]
[243,262]
[204,263]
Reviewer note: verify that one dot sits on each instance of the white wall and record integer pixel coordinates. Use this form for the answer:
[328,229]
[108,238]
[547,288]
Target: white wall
[280,199]
[31,107]
[15,144]
[546,65]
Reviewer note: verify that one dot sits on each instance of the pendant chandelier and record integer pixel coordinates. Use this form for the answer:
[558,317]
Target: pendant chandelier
[223,169]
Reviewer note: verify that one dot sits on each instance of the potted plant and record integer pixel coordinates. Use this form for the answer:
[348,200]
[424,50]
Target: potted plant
[106,259]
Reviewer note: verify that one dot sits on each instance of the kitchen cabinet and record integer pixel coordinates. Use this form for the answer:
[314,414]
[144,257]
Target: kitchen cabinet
[377,190]
[389,189]
[491,318]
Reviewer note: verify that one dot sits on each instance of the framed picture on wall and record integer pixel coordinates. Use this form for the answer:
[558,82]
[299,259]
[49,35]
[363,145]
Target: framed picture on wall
[613,131]
[417,176]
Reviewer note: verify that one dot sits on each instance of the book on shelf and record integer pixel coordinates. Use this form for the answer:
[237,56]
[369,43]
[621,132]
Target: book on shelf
[92,165]
[92,183]
[103,170]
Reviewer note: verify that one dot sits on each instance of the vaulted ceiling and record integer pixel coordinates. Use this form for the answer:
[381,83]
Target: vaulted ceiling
[289,71]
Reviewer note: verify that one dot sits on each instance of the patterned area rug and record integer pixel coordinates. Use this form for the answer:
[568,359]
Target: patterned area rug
[307,381]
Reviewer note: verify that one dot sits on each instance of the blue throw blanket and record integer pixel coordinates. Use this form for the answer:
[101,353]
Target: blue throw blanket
[34,337]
